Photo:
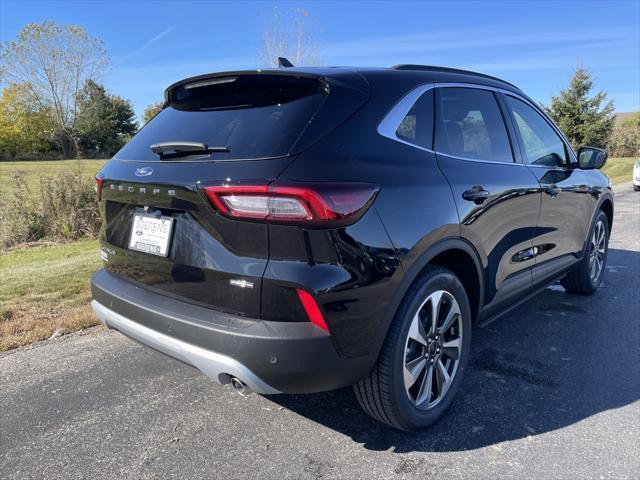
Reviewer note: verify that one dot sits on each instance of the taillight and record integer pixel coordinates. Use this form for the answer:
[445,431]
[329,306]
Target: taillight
[318,203]
[99,180]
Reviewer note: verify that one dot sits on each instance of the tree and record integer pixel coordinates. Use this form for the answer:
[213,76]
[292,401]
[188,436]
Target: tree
[290,38]
[151,111]
[24,128]
[104,121]
[585,119]
[54,61]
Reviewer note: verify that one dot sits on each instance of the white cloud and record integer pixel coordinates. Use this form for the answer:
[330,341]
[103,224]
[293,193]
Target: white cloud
[409,43]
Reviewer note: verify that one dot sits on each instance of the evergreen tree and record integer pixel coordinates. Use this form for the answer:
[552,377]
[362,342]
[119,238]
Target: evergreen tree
[104,121]
[585,119]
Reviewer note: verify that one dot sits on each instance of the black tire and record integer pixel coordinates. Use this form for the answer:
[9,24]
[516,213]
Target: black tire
[579,280]
[636,188]
[382,392]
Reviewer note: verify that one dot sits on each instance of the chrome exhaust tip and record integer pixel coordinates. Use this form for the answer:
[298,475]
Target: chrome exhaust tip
[240,387]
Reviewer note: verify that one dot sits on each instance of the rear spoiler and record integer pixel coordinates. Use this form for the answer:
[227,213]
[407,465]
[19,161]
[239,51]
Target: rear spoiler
[212,78]
[349,92]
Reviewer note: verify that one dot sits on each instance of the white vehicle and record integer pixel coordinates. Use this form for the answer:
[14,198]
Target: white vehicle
[636,176]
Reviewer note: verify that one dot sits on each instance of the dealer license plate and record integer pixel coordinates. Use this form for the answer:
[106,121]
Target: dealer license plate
[151,234]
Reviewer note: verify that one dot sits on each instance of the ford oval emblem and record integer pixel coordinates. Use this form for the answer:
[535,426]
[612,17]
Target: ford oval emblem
[143,172]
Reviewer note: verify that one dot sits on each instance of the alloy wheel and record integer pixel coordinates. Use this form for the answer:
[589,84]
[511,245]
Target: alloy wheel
[432,350]
[597,251]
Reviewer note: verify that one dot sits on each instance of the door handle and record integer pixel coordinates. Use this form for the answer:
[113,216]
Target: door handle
[551,189]
[476,194]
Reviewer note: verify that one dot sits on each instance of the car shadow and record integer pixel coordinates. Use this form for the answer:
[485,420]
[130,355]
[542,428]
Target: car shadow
[554,361]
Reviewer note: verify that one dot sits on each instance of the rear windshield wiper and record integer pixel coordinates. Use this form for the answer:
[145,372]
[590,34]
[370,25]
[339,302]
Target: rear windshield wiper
[169,150]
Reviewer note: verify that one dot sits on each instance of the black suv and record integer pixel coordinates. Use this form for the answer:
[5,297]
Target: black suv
[300,230]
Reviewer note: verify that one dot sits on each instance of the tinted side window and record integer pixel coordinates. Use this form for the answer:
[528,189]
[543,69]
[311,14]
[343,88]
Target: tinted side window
[470,125]
[417,126]
[542,145]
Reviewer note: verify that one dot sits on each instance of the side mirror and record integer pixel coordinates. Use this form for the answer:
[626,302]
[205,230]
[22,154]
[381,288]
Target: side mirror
[591,158]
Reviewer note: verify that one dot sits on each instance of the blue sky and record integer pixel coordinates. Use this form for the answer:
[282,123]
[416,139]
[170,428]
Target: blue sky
[535,45]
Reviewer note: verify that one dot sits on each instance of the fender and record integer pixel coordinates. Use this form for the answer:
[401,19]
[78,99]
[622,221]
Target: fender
[411,272]
[607,195]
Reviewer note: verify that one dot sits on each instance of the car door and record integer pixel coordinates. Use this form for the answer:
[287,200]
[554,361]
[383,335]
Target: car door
[497,197]
[566,203]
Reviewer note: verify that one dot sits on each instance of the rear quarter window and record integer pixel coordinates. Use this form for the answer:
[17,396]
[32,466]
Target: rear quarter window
[417,125]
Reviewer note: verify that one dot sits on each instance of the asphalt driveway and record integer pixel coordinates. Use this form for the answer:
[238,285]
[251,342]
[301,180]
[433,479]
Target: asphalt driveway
[553,391]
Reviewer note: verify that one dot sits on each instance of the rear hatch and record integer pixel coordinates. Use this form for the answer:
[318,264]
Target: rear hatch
[239,128]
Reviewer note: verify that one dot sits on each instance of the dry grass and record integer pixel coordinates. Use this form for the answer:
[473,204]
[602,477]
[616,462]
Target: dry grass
[45,288]
[62,208]
[32,326]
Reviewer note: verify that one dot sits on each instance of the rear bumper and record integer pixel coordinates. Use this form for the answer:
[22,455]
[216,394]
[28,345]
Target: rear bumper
[270,357]
[216,366]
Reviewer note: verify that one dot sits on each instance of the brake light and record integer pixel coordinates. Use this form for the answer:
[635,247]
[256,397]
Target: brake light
[99,180]
[312,309]
[338,203]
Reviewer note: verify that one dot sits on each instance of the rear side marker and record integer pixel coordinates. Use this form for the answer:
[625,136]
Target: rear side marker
[99,180]
[312,309]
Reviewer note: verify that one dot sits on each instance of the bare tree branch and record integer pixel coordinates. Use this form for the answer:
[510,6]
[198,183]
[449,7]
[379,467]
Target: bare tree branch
[289,36]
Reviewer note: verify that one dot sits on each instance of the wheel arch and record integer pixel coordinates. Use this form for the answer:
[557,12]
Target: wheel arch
[454,254]
[606,205]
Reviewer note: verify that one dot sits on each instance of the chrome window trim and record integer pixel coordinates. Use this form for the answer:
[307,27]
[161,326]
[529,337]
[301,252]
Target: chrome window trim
[549,167]
[389,124]
[482,161]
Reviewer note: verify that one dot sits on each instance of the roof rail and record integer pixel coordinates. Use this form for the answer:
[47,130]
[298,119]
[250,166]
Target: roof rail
[431,68]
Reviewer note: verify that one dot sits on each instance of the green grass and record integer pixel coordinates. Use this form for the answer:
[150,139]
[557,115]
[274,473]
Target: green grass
[45,288]
[619,169]
[35,169]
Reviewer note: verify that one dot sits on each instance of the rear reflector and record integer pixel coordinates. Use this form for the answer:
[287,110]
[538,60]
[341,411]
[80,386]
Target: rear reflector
[312,309]
[99,180]
[318,203]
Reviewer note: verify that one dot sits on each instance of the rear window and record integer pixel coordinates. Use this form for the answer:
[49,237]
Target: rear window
[254,116]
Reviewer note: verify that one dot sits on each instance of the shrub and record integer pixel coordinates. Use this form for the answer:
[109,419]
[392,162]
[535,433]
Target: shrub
[63,207]
[625,138]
